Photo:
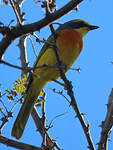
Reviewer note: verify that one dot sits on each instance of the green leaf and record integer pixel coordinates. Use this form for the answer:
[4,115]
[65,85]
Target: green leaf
[19,85]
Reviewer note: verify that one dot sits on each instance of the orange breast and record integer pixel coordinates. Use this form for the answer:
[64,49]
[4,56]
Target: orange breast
[70,45]
[70,38]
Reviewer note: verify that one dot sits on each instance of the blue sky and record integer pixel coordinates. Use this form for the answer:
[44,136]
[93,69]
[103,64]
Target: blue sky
[91,87]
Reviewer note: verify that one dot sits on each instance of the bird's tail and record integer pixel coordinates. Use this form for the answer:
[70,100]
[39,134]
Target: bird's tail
[24,114]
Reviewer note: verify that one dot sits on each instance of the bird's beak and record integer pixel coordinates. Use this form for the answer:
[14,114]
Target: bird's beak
[91,27]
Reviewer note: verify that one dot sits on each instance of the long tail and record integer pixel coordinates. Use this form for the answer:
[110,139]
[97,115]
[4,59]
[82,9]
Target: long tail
[23,115]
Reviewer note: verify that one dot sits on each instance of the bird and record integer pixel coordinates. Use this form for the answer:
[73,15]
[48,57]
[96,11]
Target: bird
[69,41]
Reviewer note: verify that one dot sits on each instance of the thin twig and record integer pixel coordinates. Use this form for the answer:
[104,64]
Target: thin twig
[56,81]
[16,12]
[61,93]
[55,118]
[2,112]
[4,106]
[32,46]
[14,66]
[42,41]
[14,105]
[4,121]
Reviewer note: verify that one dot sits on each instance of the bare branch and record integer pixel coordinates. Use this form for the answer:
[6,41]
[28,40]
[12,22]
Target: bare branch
[28,69]
[23,53]
[61,93]
[16,12]
[4,119]
[107,124]
[4,105]
[15,144]
[32,46]
[44,142]
[55,118]
[39,124]
[62,84]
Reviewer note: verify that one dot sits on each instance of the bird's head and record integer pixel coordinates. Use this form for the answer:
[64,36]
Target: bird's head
[81,26]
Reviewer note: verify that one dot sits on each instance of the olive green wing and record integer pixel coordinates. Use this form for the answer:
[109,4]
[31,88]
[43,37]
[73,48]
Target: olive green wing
[44,48]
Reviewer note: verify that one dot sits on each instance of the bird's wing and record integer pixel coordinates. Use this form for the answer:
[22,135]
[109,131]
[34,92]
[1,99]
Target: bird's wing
[44,48]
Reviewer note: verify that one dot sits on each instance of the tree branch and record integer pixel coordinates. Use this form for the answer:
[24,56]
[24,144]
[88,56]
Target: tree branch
[42,130]
[28,69]
[23,53]
[16,12]
[15,32]
[107,124]
[15,144]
